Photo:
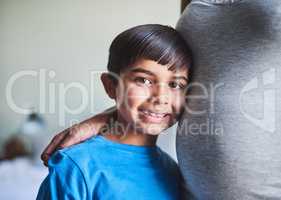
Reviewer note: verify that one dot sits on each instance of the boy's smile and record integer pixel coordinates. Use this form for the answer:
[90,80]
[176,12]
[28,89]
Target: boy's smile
[150,97]
[153,116]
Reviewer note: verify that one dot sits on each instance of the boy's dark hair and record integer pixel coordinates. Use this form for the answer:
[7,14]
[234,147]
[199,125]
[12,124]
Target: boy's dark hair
[156,42]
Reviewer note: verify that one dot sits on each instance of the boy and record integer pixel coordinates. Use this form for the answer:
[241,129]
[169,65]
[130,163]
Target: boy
[148,74]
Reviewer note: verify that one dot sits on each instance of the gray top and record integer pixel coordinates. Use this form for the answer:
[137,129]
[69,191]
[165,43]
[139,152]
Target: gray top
[229,139]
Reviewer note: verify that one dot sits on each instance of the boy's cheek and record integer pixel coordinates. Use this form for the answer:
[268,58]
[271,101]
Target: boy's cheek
[132,98]
[136,93]
[179,102]
[178,109]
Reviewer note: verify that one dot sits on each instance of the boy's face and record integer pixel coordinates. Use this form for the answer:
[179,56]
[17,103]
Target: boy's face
[150,97]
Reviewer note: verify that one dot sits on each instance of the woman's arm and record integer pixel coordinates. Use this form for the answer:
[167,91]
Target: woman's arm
[77,133]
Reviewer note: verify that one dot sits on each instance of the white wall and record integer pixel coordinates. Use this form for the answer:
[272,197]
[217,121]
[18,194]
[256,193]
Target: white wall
[71,38]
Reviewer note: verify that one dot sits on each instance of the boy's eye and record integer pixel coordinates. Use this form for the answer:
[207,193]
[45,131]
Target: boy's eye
[176,85]
[143,81]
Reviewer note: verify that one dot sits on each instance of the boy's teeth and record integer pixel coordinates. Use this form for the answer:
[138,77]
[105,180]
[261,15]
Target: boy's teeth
[153,114]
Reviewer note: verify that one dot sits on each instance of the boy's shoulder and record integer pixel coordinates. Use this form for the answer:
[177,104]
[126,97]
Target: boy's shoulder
[97,151]
[76,154]
[79,150]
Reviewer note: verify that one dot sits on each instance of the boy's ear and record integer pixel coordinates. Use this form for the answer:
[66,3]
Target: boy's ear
[109,85]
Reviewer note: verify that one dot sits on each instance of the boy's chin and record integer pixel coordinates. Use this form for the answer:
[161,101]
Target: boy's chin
[153,129]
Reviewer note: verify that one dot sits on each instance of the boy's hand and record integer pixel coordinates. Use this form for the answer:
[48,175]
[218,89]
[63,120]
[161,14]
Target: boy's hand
[77,133]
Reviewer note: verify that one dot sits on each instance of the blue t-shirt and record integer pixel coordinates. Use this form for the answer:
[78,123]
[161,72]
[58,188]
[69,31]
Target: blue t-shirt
[102,169]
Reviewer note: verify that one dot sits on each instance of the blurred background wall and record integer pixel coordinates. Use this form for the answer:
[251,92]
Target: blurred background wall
[51,53]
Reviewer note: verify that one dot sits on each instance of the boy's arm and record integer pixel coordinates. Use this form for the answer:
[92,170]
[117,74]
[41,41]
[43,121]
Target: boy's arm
[77,133]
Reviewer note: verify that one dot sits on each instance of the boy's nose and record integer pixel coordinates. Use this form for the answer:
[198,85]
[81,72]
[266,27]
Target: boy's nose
[160,94]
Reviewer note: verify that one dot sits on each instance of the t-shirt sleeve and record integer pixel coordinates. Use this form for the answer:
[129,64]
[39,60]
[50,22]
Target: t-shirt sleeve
[64,181]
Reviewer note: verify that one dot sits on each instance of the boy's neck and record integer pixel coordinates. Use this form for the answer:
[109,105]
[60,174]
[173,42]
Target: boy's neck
[133,139]
[127,135]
